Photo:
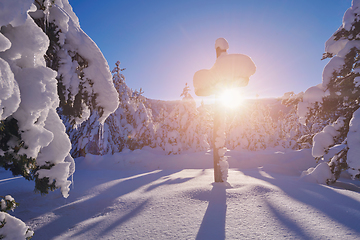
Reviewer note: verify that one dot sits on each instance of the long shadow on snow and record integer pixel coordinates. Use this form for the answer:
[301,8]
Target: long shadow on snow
[288,222]
[169,182]
[96,205]
[125,218]
[334,205]
[213,223]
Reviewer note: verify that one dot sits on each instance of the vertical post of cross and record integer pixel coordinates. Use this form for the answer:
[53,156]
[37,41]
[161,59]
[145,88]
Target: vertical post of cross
[229,71]
[217,123]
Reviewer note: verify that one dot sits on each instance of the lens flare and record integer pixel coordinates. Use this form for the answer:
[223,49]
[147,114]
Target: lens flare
[231,98]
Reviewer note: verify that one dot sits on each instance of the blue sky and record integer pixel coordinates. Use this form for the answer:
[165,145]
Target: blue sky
[163,43]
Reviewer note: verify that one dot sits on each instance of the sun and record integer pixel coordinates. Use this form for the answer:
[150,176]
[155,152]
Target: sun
[231,98]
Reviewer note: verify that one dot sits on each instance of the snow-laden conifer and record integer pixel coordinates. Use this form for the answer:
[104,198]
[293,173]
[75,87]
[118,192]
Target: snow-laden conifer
[46,60]
[339,94]
[182,128]
[12,227]
[130,126]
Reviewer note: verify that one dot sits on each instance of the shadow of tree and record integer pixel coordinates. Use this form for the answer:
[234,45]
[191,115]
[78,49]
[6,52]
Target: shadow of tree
[96,206]
[169,182]
[288,222]
[213,223]
[336,206]
[345,185]
[125,218]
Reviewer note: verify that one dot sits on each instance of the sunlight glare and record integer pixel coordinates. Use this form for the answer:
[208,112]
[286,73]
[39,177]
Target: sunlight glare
[231,98]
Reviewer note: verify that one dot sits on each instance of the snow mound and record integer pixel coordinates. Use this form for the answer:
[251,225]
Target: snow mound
[320,174]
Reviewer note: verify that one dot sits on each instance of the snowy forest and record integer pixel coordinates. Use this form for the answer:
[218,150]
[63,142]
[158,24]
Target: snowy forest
[61,102]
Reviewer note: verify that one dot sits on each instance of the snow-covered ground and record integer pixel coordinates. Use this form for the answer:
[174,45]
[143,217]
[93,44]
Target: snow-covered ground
[146,195]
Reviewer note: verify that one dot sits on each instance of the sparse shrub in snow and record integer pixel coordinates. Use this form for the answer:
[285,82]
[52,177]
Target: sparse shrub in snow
[339,94]
[12,227]
[7,203]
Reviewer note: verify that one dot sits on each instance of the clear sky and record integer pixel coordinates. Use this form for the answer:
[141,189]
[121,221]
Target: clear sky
[163,43]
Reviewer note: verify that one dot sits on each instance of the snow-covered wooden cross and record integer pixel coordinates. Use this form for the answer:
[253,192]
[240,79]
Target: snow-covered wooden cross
[229,71]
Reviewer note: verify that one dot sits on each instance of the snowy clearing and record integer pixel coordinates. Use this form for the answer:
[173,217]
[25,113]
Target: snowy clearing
[144,194]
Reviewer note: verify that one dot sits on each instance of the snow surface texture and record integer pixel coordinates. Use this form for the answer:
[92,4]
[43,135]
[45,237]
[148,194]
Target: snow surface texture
[229,70]
[143,194]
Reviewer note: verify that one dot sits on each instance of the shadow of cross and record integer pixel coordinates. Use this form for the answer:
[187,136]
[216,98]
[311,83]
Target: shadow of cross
[213,223]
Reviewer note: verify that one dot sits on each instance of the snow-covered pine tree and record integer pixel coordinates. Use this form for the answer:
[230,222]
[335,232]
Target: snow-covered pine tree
[341,95]
[83,75]
[8,223]
[160,128]
[144,127]
[183,127]
[194,132]
[290,132]
[32,136]
[130,126]
[205,115]
[252,128]
[238,130]
[262,128]
[33,139]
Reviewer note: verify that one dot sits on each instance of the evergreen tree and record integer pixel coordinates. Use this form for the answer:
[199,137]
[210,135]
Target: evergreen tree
[290,132]
[130,126]
[8,222]
[37,38]
[161,129]
[251,128]
[84,80]
[341,78]
[182,129]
